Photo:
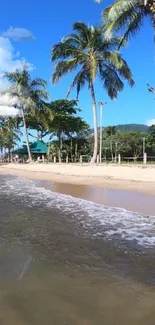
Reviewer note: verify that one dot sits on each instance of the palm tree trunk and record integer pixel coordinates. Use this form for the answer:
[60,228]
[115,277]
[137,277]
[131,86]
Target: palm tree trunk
[27,136]
[71,150]
[9,155]
[111,149]
[60,147]
[76,150]
[93,160]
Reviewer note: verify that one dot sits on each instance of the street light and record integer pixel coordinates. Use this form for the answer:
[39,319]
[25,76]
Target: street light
[101,104]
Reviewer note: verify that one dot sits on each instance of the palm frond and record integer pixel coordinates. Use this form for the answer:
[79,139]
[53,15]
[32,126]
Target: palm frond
[126,73]
[111,81]
[127,15]
[83,31]
[62,68]
[89,51]
[116,60]
[38,82]
[78,82]
[38,93]
[66,49]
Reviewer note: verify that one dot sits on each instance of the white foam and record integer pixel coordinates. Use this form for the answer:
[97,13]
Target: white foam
[101,220]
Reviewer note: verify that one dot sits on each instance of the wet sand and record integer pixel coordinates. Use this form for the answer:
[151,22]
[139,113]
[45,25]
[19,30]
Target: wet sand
[70,279]
[130,200]
[52,274]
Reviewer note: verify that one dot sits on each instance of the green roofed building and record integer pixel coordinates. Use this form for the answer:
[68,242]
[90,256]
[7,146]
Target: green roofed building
[37,148]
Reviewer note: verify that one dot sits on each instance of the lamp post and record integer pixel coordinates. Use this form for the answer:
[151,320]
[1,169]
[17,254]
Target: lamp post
[101,104]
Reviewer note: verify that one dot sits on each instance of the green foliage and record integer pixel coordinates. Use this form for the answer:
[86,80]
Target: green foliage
[127,128]
[30,94]
[133,128]
[87,50]
[65,125]
[128,144]
[128,15]
[9,135]
[64,119]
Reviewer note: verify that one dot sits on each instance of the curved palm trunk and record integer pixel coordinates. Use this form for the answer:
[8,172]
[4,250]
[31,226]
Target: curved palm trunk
[27,136]
[93,160]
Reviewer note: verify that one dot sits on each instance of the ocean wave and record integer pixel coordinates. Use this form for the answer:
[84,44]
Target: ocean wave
[97,220]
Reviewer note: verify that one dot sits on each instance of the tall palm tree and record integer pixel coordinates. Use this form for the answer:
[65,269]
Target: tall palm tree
[93,56]
[129,15]
[29,93]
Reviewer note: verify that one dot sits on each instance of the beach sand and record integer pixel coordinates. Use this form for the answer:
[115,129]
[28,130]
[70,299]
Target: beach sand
[133,178]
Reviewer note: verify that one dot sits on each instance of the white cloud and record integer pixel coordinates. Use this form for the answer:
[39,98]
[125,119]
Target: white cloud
[8,111]
[7,103]
[9,61]
[6,99]
[150,122]
[18,34]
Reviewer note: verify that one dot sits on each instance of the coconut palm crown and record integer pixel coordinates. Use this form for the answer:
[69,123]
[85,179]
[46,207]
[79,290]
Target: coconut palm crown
[90,55]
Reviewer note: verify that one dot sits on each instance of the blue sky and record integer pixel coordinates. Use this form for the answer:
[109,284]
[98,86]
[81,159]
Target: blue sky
[49,21]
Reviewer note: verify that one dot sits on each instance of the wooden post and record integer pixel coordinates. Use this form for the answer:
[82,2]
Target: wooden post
[66,159]
[55,160]
[119,158]
[43,158]
[98,159]
[145,158]
[80,159]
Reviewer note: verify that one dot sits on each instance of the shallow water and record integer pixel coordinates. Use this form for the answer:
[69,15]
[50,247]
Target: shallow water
[69,261]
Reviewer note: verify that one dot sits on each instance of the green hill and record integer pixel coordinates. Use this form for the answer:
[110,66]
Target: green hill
[130,128]
[133,127]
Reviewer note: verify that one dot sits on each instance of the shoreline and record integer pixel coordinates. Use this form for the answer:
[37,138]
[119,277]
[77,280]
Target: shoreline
[135,179]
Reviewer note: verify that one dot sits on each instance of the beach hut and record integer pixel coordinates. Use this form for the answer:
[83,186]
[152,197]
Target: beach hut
[38,149]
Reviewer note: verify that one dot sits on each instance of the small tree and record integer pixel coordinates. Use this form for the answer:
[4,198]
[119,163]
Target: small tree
[65,123]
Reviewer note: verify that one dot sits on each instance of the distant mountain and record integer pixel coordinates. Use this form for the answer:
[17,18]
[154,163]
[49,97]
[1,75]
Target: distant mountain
[129,128]
[133,127]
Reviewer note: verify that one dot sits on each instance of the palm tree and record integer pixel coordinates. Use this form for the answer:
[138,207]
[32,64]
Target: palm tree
[129,15]
[29,93]
[93,56]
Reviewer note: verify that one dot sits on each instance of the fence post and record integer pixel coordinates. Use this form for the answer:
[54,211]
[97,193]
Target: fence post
[66,159]
[145,158]
[55,160]
[119,158]
[98,159]
[80,159]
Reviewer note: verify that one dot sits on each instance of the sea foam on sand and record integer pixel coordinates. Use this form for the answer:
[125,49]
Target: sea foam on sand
[97,220]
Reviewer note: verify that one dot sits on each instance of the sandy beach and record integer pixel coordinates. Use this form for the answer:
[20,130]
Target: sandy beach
[133,178]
